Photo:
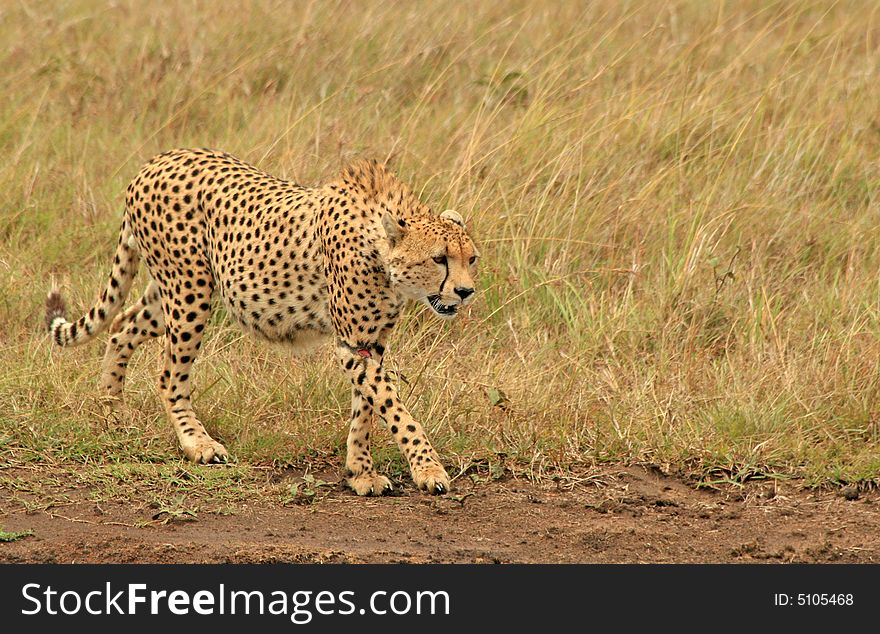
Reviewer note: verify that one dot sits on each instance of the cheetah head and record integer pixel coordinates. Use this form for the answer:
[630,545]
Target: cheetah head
[432,260]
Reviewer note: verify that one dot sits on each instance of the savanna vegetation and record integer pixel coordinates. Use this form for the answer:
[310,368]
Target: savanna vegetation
[676,205]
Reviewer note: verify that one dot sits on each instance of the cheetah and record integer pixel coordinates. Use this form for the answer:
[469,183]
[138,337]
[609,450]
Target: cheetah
[291,264]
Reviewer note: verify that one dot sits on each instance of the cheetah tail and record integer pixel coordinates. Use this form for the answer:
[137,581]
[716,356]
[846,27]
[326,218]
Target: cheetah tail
[125,264]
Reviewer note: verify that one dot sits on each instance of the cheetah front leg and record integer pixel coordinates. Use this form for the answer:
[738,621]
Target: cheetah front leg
[363,478]
[185,319]
[371,382]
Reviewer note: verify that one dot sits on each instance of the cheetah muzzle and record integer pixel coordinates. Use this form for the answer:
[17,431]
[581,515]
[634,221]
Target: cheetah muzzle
[290,264]
[444,310]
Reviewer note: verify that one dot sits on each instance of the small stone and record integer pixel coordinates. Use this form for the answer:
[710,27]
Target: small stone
[850,492]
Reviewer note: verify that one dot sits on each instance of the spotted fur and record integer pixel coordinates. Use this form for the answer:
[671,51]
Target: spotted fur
[290,264]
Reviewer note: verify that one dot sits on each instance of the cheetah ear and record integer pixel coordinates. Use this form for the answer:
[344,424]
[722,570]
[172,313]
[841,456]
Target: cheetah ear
[454,216]
[395,228]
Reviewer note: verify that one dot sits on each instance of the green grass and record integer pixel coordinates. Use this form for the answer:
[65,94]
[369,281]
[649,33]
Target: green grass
[676,206]
[6,536]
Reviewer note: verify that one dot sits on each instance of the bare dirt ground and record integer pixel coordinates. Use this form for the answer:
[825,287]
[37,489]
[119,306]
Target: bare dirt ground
[617,515]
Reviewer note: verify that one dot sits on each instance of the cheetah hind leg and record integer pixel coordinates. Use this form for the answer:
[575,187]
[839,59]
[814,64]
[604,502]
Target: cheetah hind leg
[142,321]
[182,342]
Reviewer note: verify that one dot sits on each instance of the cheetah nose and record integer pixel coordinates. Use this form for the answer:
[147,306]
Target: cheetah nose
[464,293]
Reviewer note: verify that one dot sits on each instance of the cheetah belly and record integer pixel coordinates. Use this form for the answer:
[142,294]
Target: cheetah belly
[299,318]
[280,299]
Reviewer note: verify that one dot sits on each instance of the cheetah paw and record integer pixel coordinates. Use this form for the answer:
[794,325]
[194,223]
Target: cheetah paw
[370,484]
[207,451]
[431,477]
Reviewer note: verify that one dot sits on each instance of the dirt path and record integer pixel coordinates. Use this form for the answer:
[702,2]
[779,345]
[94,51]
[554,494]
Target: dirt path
[633,515]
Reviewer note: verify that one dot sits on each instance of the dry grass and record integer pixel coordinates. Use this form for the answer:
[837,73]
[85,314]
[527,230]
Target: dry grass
[676,205]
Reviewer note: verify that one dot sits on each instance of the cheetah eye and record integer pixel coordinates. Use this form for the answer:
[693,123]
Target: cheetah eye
[439,259]
[473,259]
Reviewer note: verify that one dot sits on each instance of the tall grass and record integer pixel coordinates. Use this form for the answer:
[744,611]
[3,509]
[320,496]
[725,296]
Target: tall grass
[676,205]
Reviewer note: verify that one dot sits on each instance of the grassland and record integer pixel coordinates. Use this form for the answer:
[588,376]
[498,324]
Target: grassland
[676,205]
